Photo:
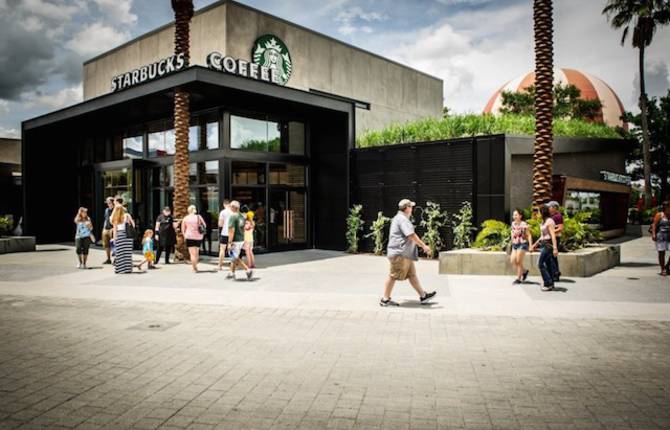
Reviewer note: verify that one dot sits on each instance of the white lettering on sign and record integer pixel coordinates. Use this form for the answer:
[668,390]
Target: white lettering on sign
[239,67]
[150,71]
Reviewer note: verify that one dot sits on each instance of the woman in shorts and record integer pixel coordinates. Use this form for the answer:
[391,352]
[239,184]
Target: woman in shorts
[660,234]
[82,237]
[193,227]
[521,240]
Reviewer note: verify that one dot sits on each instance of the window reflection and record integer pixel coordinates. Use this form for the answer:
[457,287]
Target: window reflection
[246,173]
[287,174]
[212,135]
[250,134]
[204,173]
[133,147]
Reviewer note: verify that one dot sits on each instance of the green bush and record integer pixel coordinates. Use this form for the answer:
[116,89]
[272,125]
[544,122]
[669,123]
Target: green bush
[466,125]
[577,233]
[494,236]
[433,219]
[6,225]
[461,224]
[354,226]
[377,232]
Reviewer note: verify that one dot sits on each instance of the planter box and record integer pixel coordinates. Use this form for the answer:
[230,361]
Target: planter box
[582,263]
[17,244]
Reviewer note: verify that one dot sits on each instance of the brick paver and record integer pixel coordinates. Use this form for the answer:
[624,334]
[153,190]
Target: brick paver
[89,364]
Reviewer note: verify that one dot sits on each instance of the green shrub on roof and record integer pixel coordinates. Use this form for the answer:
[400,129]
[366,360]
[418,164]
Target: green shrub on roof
[454,126]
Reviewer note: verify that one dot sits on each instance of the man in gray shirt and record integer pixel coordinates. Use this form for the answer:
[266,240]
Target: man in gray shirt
[402,252]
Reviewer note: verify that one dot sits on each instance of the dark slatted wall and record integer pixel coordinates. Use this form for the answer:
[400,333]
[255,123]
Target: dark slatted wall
[445,172]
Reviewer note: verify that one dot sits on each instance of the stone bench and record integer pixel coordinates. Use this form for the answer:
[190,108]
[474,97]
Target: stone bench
[17,244]
[581,263]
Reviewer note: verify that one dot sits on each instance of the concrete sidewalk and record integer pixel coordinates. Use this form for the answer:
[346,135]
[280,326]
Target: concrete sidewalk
[326,280]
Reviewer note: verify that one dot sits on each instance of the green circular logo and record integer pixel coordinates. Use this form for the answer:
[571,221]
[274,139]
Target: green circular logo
[271,52]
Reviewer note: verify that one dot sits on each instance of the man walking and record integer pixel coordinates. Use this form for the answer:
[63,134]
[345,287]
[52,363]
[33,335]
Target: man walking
[402,252]
[107,230]
[558,220]
[236,223]
[223,229]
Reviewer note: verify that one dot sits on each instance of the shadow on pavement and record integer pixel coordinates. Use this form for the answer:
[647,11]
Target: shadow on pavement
[418,305]
[637,264]
[560,289]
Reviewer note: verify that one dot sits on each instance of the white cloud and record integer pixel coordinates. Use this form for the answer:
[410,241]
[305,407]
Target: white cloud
[351,20]
[32,23]
[4,107]
[62,98]
[9,132]
[117,10]
[58,10]
[96,38]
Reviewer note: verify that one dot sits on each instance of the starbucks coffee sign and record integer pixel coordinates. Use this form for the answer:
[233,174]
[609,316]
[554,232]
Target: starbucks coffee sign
[151,71]
[226,64]
[271,52]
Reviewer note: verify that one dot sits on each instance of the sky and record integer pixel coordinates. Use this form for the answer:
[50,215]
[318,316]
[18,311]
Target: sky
[475,46]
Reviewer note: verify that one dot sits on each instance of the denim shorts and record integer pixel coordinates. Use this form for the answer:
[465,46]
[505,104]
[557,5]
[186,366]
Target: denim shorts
[518,246]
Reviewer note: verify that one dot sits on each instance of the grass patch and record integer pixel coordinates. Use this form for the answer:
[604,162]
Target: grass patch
[454,126]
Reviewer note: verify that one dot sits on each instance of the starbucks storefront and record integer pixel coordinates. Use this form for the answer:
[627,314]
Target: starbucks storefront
[282,152]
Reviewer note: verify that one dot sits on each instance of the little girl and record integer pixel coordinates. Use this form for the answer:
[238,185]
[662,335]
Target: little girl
[148,249]
[249,239]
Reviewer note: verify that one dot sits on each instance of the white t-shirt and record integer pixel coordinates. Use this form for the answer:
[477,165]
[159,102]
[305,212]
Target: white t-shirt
[224,215]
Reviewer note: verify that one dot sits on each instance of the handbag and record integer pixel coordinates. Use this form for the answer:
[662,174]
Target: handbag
[130,231]
[202,228]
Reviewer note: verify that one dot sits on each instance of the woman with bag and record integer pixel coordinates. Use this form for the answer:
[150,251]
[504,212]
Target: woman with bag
[83,237]
[520,242]
[194,228]
[548,248]
[123,232]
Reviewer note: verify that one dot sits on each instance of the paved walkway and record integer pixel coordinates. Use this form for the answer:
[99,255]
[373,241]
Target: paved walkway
[306,346]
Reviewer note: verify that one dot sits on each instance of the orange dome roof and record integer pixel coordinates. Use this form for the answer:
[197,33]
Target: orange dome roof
[590,87]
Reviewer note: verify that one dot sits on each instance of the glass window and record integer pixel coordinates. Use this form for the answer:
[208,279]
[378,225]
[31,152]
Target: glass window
[169,141]
[250,134]
[157,145]
[133,147]
[287,174]
[246,173]
[212,135]
[193,138]
[204,173]
[296,138]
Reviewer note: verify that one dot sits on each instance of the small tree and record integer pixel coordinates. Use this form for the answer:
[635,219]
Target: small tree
[354,226]
[433,219]
[461,224]
[377,232]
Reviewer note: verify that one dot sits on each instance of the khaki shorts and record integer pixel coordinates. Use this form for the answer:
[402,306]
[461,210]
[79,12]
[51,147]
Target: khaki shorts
[106,238]
[401,268]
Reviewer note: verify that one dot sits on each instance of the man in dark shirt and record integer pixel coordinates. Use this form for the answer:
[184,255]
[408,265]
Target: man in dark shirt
[558,220]
[107,230]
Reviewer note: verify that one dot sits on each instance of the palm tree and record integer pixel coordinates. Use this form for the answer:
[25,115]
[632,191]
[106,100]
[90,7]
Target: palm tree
[544,100]
[644,16]
[183,12]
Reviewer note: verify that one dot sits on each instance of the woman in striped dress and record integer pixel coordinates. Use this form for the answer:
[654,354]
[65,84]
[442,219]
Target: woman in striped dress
[123,244]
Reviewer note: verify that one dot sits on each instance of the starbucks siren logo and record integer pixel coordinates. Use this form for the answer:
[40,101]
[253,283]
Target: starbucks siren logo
[271,52]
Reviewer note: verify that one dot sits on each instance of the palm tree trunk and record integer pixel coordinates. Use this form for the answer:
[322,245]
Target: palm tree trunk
[646,146]
[544,101]
[183,10]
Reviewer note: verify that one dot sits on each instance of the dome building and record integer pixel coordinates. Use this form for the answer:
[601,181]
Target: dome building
[590,87]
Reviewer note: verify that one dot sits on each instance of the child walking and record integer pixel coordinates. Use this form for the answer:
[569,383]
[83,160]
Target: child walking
[249,226]
[521,240]
[148,249]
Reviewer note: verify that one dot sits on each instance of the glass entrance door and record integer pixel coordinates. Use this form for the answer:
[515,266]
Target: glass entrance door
[287,218]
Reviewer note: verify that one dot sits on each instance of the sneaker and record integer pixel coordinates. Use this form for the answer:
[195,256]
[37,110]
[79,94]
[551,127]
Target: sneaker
[79,266]
[516,282]
[525,275]
[250,274]
[107,262]
[230,275]
[388,302]
[428,296]
[547,287]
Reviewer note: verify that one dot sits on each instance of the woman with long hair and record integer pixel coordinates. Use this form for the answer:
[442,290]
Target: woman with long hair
[123,226]
[194,228]
[82,237]
[548,248]
[521,240]
[660,234]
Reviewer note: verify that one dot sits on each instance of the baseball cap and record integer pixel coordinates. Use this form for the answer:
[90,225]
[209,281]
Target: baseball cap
[235,204]
[402,204]
[553,203]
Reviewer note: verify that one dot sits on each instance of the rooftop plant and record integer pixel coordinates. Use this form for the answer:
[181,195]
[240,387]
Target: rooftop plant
[454,126]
